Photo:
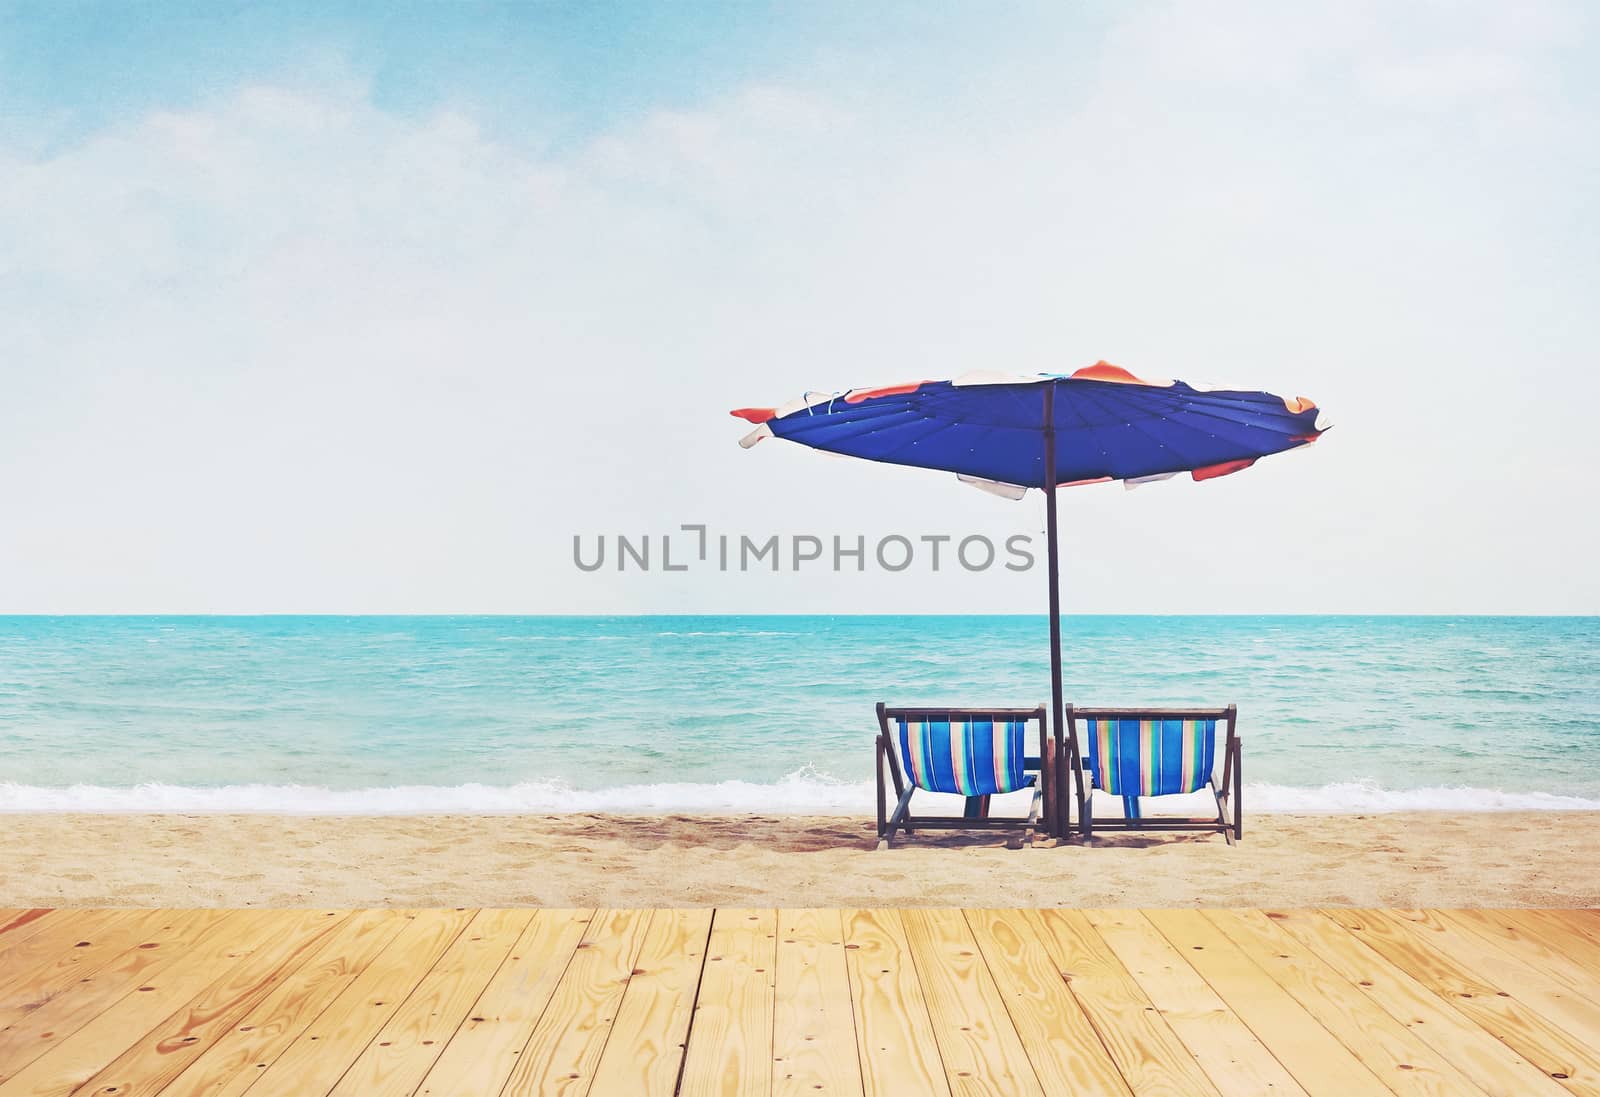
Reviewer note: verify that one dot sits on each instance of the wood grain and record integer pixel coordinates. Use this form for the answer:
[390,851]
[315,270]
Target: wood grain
[231,942]
[57,945]
[1493,1066]
[814,1029]
[1571,961]
[26,990]
[730,1038]
[18,924]
[1322,1065]
[142,963]
[893,1031]
[1400,1058]
[1151,1057]
[485,1048]
[920,1003]
[166,1050]
[1494,962]
[644,1053]
[1060,1041]
[316,1059]
[235,1060]
[1230,1054]
[981,1051]
[565,1046]
[1494,1010]
[402,1052]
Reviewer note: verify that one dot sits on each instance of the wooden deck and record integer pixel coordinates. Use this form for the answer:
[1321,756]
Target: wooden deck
[886,1002]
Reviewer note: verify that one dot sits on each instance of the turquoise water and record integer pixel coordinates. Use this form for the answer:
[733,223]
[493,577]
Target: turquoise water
[768,713]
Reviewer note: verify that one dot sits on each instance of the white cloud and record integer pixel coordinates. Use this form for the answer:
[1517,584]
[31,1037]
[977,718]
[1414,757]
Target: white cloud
[290,351]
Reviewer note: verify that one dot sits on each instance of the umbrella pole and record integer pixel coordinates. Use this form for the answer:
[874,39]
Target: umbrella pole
[1059,824]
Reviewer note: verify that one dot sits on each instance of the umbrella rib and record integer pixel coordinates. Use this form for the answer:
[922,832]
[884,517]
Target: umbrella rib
[1206,413]
[1191,462]
[888,457]
[1130,424]
[940,429]
[1196,402]
[1217,412]
[826,424]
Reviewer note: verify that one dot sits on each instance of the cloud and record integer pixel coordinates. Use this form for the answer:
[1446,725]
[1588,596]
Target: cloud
[289,350]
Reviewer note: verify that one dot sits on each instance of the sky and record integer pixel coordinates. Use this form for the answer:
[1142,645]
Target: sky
[362,308]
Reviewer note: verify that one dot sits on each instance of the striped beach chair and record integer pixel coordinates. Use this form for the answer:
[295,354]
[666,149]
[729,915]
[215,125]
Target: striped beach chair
[1141,753]
[972,753]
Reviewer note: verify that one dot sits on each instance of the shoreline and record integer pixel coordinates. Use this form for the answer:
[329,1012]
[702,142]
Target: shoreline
[796,795]
[1400,859]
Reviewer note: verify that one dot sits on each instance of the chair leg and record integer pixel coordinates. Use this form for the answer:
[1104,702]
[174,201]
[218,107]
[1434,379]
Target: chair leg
[896,819]
[1224,800]
[1236,793]
[883,806]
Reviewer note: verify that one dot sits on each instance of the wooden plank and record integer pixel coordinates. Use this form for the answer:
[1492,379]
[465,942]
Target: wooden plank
[1152,1059]
[1230,1054]
[1400,1058]
[233,1062]
[17,924]
[1569,958]
[1494,1067]
[26,990]
[314,1062]
[644,1054]
[9,915]
[1473,1002]
[1584,923]
[893,1030]
[103,1038]
[484,1050]
[1543,1044]
[1558,930]
[1060,1041]
[36,960]
[730,1038]
[161,1054]
[813,1031]
[980,1048]
[1319,1062]
[404,1050]
[564,1047]
[1571,1011]
[139,964]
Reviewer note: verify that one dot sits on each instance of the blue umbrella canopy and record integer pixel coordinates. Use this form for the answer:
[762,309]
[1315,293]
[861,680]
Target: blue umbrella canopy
[1109,425]
[1008,434]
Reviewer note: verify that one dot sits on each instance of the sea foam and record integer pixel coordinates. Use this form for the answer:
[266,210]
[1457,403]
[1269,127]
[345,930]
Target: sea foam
[801,793]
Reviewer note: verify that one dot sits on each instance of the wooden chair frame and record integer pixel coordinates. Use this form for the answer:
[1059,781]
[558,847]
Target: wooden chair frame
[1230,802]
[977,811]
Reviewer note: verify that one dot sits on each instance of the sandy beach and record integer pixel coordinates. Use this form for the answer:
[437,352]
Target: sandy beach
[1389,860]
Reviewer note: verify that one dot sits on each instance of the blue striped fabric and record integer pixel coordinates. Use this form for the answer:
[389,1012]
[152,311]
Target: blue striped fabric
[966,757]
[1131,758]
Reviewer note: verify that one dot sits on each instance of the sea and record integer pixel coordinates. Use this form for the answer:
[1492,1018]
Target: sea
[373,715]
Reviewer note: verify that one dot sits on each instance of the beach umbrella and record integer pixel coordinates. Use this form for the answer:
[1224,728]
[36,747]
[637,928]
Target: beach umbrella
[1008,433]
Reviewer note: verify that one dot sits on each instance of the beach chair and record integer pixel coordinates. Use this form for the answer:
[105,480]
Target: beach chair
[1140,753]
[975,753]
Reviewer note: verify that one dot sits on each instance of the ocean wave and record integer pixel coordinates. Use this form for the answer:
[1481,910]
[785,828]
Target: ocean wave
[804,792]
[801,793]
[1362,797]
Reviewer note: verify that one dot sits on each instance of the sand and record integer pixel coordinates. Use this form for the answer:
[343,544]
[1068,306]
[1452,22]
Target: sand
[1401,860]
